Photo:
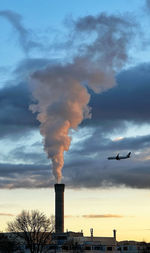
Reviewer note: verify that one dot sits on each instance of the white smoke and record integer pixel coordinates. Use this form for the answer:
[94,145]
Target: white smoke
[60,91]
[62,106]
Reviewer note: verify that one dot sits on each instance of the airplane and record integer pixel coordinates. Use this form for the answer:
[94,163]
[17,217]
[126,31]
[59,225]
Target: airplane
[119,157]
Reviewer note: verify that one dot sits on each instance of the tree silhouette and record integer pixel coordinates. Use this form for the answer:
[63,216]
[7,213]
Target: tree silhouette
[34,229]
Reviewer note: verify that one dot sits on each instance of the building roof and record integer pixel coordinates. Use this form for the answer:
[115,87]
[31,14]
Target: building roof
[101,240]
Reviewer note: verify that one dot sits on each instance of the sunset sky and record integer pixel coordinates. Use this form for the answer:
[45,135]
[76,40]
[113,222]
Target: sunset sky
[80,68]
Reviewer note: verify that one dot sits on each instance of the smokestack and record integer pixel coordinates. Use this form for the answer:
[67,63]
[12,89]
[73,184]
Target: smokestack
[91,230]
[114,233]
[59,208]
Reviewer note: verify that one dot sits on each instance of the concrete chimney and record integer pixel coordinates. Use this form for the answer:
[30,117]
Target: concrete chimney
[59,208]
[91,230]
[114,233]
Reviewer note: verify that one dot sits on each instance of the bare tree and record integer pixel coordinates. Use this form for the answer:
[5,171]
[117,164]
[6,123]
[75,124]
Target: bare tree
[33,228]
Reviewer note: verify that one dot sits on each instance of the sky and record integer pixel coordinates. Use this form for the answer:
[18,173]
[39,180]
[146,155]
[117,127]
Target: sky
[75,89]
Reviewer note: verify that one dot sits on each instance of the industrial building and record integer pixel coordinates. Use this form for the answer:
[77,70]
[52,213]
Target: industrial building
[77,242]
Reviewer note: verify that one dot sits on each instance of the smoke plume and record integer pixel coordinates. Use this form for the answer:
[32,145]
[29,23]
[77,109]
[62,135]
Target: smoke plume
[61,90]
[24,35]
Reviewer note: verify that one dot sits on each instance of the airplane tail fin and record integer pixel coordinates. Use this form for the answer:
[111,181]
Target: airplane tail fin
[117,157]
[128,155]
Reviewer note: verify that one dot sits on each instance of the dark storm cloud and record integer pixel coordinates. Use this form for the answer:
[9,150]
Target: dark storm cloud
[15,98]
[101,173]
[24,35]
[84,172]
[127,101]
[24,154]
[25,176]
[15,117]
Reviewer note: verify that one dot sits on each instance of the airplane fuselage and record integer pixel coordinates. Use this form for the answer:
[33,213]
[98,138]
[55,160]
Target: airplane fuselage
[119,157]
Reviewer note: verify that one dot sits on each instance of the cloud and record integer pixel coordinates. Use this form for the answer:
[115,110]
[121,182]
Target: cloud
[24,35]
[101,216]
[15,117]
[28,154]
[15,97]
[70,216]
[97,143]
[84,172]
[25,176]
[100,173]
[128,101]
[6,214]
[95,216]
